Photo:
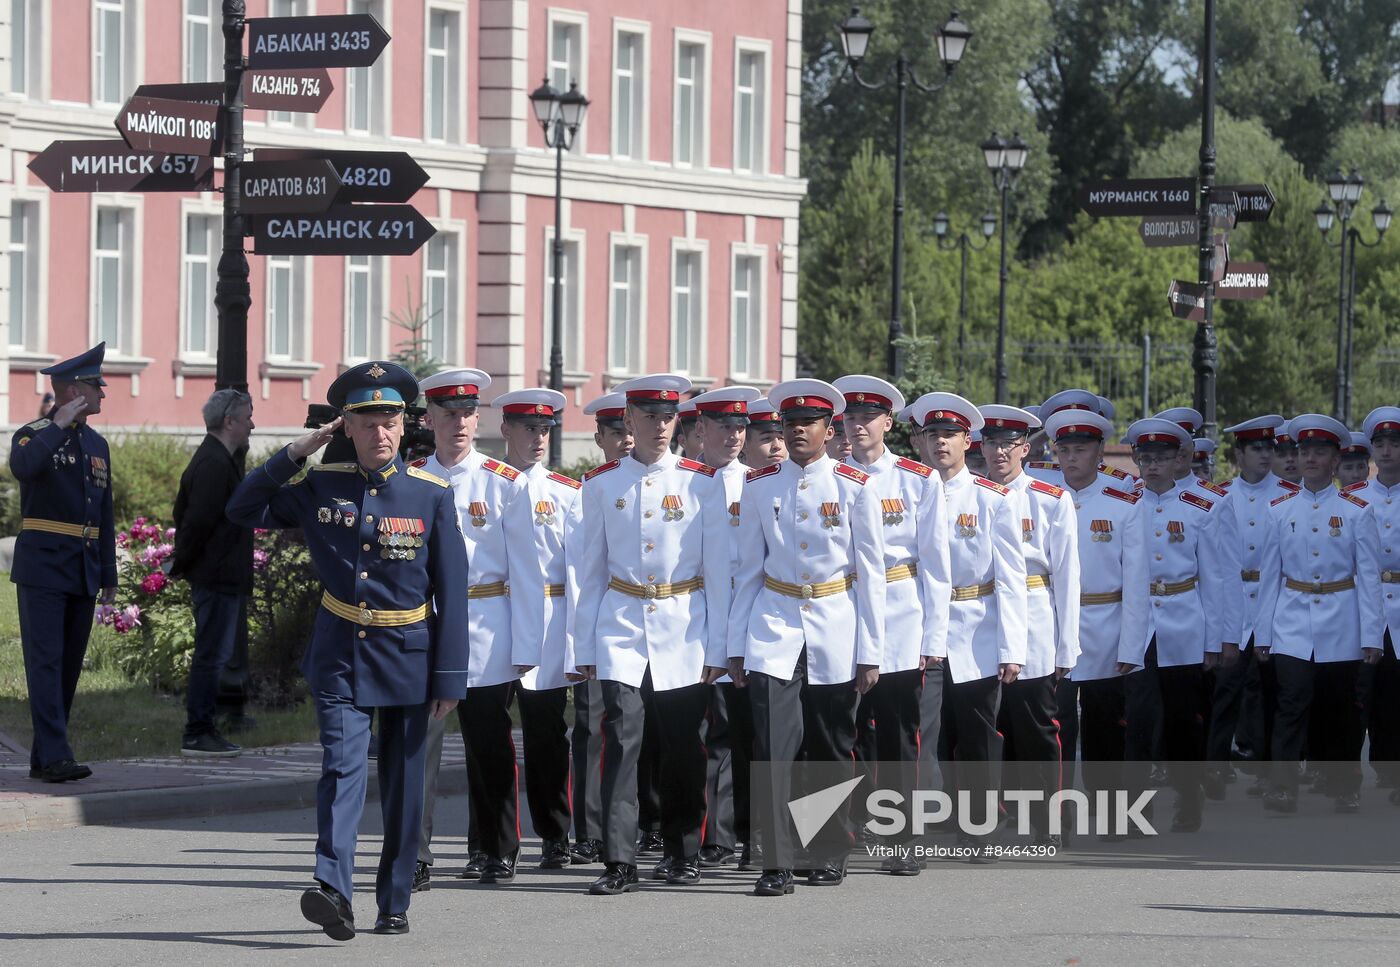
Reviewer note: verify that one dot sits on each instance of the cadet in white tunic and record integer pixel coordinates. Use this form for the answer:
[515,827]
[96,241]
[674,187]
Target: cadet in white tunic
[805,628]
[653,603]
[1355,464]
[1320,616]
[1382,492]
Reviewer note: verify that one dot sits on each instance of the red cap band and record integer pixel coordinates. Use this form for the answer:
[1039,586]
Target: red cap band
[1317,433]
[721,407]
[1071,406]
[528,409]
[950,415]
[1087,429]
[610,413]
[1389,426]
[460,389]
[1158,438]
[663,395]
[866,399]
[768,416]
[1258,433]
[814,402]
[1003,424]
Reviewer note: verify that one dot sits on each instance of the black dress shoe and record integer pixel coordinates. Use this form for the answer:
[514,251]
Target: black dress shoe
[713,857]
[978,845]
[1158,775]
[391,923]
[64,770]
[554,854]
[476,865]
[829,875]
[750,857]
[1257,790]
[684,872]
[422,877]
[651,843]
[774,883]
[905,865]
[617,878]
[1348,802]
[585,851]
[35,772]
[498,870]
[1281,801]
[1049,841]
[1213,783]
[330,911]
[1186,821]
[663,869]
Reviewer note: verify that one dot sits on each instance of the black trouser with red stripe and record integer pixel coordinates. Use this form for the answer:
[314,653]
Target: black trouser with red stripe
[545,736]
[586,745]
[1178,688]
[867,753]
[895,701]
[1032,740]
[649,764]
[1383,714]
[1102,731]
[969,740]
[729,750]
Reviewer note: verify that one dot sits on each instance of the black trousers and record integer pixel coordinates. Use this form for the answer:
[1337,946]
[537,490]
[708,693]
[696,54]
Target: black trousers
[1383,713]
[1318,711]
[930,774]
[1031,748]
[1177,691]
[54,629]
[794,723]
[1226,700]
[867,753]
[1067,714]
[649,764]
[1102,731]
[679,713]
[728,737]
[586,748]
[896,697]
[492,787]
[545,736]
[971,740]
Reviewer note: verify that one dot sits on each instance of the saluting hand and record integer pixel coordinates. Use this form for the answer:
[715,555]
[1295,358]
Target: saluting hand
[303,447]
[70,411]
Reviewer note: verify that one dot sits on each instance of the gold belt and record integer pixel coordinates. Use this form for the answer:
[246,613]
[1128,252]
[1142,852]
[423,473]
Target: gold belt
[1322,587]
[1162,589]
[648,591]
[822,589]
[1390,577]
[370,617]
[554,590]
[1250,576]
[901,572]
[496,589]
[1107,597]
[87,532]
[1034,581]
[973,592]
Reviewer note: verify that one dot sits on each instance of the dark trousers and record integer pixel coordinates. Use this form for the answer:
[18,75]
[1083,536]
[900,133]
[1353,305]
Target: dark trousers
[1383,713]
[1102,731]
[1067,714]
[867,753]
[795,722]
[1226,700]
[586,748]
[217,619]
[1318,712]
[53,630]
[970,741]
[896,707]
[235,678]
[679,712]
[728,737]
[545,736]
[1175,690]
[931,727]
[340,794]
[492,785]
[1032,741]
[649,764]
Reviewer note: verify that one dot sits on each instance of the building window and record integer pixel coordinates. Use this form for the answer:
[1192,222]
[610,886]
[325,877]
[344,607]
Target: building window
[749,122]
[625,311]
[573,330]
[690,104]
[24,275]
[566,63]
[203,42]
[287,8]
[113,257]
[688,314]
[201,258]
[440,297]
[364,306]
[26,20]
[364,86]
[746,335]
[629,96]
[443,65]
[109,52]
[286,309]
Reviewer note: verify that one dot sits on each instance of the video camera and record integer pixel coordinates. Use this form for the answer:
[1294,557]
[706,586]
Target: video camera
[417,438]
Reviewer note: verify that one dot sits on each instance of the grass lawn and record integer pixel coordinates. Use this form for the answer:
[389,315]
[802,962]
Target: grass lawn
[114,717]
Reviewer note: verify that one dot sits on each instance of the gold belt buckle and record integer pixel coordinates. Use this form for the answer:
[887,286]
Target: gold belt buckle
[1317,587]
[366,616]
[649,591]
[1388,576]
[807,591]
[1159,588]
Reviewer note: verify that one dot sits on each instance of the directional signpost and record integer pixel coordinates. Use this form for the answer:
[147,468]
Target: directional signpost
[1187,300]
[1139,196]
[344,230]
[289,186]
[348,40]
[380,176]
[171,127]
[1256,202]
[113,166]
[279,89]
[1161,231]
[1244,280]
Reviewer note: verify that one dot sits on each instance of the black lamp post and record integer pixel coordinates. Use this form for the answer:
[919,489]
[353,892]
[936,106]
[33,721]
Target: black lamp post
[1345,192]
[952,40]
[963,243]
[1005,159]
[560,116]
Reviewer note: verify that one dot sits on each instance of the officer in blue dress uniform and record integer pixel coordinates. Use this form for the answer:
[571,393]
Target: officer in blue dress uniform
[390,636]
[65,553]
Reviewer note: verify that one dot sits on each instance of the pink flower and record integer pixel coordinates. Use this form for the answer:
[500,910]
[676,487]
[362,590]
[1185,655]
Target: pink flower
[150,532]
[153,582]
[139,521]
[170,533]
[261,532]
[126,619]
[105,614]
[121,539]
[260,559]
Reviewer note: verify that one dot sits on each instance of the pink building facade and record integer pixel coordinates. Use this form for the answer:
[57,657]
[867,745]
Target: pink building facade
[680,218]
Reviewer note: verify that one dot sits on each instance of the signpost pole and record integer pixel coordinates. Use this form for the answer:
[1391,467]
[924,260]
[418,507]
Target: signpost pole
[1203,358]
[232,296]
[894,361]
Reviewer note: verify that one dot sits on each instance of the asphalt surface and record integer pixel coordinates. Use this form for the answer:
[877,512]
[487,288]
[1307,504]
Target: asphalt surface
[1250,888]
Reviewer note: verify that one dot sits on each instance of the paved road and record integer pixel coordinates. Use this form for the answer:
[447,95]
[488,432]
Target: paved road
[1315,889]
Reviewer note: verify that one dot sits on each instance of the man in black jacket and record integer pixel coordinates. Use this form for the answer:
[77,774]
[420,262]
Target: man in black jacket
[216,556]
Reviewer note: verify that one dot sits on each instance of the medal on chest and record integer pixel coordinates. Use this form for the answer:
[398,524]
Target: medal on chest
[544,512]
[1101,531]
[620,503]
[893,511]
[99,471]
[1176,532]
[1027,529]
[1334,527]
[400,537]
[476,510]
[671,504]
[831,514]
[967,525]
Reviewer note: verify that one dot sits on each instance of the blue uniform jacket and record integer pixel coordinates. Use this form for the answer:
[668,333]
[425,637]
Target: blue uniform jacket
[65,478]
[361,529]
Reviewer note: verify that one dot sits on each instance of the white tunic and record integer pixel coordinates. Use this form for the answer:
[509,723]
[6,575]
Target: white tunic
[553,499]
[1385,508]
[1230,551]
[1182,545]
[494,514]
[1319,538]
[732,473]
[1048,539]
[1112,561]
[984,536]
[809,525]
[1249,505]
[652,524]
[915,609]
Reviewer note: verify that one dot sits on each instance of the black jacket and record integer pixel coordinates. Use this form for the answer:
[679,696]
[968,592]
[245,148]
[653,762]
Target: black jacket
[211,551]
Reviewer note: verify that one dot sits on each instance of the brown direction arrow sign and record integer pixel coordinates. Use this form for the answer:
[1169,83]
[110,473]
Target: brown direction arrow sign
[287,187]
[171,127]
[1187,300]
[380,176]
[1244,280]
[345,40]
[343,230]
[211,92]
[1224,207]
[114,166]
[1139,196]
[1161,231]
[287,89]
[1256,202]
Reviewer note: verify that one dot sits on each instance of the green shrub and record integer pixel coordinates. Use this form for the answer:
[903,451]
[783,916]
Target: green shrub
[9,504]
[146,469]
[286,597]
[154,625]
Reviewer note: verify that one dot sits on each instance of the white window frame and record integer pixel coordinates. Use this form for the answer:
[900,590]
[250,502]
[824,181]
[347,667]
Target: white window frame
[34,285]
[639,79]
[456,277]
[455,126]
[700,140]
[758,347]
[294,119]
[204,209]
[578,19]
[36,54]
[699,340]
[132,264]
[617,240]
[300,322]
[214,42]
[133,26]
[578,238]
[377,274]
[763,48]
[379,77]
